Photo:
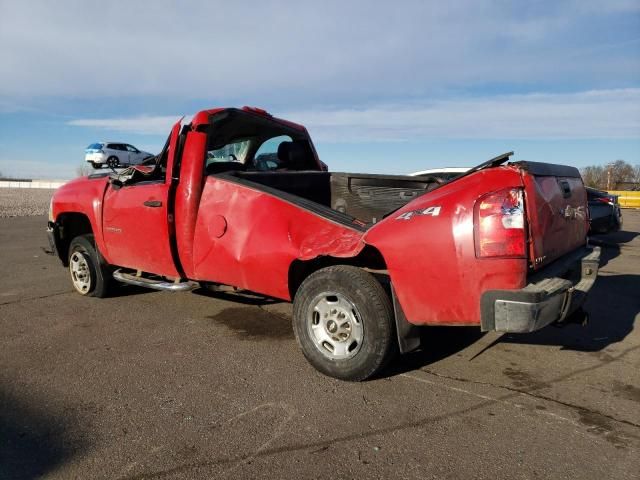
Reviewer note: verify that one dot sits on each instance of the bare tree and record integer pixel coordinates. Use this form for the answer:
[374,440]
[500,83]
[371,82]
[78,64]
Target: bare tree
[620,172]
[636,174]
[610,175]
[594,176]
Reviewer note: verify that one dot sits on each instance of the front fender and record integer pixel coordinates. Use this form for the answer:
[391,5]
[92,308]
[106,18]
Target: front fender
[83,196]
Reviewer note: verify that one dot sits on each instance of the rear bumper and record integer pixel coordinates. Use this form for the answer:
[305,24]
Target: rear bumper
[552,295]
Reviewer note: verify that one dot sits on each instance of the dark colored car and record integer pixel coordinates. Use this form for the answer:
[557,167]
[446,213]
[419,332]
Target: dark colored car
[604,211]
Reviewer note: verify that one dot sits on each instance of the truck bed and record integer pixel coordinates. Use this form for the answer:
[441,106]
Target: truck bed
[364,197]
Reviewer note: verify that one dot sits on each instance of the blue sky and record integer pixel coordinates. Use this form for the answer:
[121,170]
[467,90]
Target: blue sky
[387,87]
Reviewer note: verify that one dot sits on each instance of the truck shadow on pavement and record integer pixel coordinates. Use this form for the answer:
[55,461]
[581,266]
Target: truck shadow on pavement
[260,325]
[613,306]
[240,296]
[123,290]
[32,441]
[613,238]
[611,244]
[436,343]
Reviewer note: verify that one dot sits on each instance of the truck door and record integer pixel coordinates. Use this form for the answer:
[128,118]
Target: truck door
[136,222]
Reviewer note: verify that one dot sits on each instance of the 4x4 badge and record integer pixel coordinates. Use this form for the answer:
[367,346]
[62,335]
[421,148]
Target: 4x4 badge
[433,211]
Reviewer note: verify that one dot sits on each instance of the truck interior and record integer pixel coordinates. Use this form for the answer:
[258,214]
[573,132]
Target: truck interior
[265,154]
[245,141]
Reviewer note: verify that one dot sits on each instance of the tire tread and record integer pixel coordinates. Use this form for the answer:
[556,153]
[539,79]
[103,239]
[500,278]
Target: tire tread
[378,302]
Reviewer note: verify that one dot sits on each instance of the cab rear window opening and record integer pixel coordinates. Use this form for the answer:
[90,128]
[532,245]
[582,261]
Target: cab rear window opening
[262,153]
[256,143]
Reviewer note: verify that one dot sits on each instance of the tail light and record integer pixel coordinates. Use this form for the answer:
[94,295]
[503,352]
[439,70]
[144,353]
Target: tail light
[500,224]
[606,200]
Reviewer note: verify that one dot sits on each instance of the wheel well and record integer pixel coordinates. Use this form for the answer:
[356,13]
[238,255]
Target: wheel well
[369,257]
[71,225]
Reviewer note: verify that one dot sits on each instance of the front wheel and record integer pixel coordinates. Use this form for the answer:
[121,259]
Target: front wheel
[343,321]
[89,276]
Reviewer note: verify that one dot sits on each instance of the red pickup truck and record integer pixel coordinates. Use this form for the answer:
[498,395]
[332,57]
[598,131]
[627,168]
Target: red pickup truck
[240,198]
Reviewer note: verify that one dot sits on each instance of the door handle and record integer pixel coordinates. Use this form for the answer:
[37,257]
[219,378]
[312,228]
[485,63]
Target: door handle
[153,203]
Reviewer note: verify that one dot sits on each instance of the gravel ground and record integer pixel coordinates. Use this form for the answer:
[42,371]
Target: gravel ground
[24,202]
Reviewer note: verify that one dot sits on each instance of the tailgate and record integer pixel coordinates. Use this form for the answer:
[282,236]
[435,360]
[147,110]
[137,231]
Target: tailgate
[556,204]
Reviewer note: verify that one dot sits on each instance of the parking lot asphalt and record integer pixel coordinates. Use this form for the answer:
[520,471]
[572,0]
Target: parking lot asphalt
[155,385]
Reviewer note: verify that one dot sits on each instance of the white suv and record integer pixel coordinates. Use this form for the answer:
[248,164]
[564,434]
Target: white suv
[445,174]
[114,154]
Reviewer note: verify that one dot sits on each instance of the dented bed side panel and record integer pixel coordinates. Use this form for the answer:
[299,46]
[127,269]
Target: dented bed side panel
[248,238]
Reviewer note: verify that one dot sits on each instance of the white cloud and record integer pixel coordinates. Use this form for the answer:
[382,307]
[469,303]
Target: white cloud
[143,124]
[591,114]
[582,115]
[309,51]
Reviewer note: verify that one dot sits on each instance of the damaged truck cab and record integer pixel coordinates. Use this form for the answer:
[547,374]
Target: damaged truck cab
[240,198]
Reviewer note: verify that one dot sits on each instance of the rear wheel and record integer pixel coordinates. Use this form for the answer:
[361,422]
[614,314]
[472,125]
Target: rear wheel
[343,321]
[89,275]
[113,162]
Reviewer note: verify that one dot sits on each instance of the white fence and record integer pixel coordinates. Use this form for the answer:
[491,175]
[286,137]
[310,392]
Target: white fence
[32,184]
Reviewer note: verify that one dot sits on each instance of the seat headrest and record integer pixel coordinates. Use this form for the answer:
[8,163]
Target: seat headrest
[300,155]
[283,152]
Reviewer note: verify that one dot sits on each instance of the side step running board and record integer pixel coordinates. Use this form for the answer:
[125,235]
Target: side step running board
[133,279]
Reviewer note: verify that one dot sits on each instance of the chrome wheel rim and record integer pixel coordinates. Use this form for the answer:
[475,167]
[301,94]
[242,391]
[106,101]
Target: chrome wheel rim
[80,272]
[335,326]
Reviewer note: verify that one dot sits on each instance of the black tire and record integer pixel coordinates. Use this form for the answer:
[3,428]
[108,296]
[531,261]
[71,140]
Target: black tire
[113,162]
[616,222]
[96,165]
[82,251]
[373,314]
